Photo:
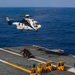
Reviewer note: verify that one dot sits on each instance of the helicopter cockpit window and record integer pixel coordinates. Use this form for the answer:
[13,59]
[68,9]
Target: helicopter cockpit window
[32,20]
[37,23]
[34,24]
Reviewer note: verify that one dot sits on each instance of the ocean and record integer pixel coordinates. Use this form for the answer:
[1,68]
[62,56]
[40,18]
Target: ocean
[57,31]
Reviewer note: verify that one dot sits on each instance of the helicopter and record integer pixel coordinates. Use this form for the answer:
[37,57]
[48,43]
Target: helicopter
[26,23]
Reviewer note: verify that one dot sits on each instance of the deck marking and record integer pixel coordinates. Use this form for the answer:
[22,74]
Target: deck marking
[37,60]
[10,52]
[16,66]
[71,69]
[13,50]
[68,65]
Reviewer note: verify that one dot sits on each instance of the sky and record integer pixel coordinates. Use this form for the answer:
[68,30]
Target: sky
[37,3]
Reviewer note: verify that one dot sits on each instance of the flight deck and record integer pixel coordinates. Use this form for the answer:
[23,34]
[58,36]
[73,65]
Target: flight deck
[13,63]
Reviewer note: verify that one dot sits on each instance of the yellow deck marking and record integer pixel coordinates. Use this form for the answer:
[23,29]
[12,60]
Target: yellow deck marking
[16,66]
[21,68]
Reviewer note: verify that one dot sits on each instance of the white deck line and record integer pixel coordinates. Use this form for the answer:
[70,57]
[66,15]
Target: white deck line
[10,52]
[71,69]
[2,61]
[36,60]
[13,50]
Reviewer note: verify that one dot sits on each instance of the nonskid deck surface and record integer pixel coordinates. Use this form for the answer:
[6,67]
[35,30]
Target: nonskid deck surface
[19,65]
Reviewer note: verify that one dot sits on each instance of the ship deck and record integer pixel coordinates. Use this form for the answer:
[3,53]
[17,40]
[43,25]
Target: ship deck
[13,63]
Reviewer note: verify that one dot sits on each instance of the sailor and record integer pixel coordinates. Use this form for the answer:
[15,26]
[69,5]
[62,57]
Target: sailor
[23,52]
[34,65]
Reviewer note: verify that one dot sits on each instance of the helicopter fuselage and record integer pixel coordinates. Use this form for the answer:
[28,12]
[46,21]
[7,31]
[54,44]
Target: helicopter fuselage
[26,23]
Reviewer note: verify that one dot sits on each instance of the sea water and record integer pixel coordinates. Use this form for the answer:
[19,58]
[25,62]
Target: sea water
[57,31]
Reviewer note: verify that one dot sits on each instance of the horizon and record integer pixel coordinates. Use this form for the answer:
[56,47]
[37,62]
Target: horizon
[37,7]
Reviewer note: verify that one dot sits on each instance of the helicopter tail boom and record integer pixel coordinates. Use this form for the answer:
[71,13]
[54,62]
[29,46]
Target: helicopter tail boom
[8,20]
